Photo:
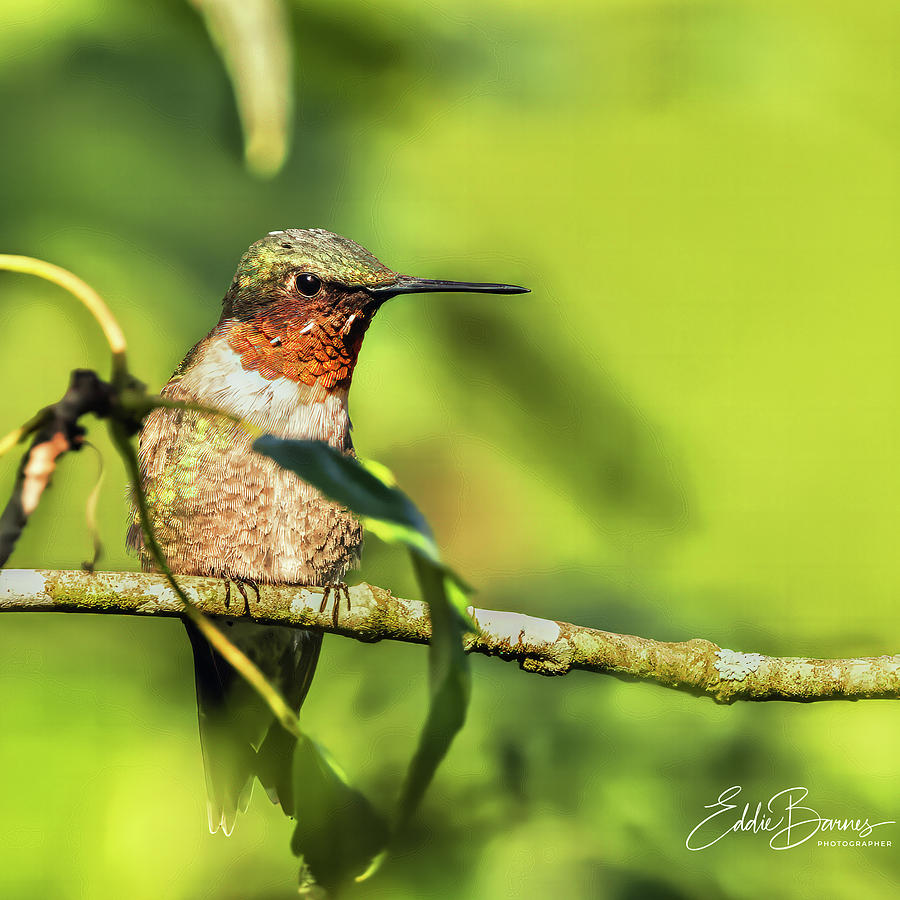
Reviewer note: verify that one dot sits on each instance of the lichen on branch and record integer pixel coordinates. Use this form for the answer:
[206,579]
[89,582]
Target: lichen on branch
[543,646]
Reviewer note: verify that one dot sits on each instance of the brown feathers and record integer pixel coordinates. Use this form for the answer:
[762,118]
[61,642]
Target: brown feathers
[218,507]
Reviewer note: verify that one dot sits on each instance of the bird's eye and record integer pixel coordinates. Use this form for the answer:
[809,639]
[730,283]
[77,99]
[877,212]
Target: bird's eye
[308,284]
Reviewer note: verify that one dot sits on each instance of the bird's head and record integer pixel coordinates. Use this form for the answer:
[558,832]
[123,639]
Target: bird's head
[302,299]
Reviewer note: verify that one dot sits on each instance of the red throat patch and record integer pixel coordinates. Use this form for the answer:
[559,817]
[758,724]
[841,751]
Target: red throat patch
[306,351]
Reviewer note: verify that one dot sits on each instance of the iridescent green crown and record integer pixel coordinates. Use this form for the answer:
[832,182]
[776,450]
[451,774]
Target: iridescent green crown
[330,256]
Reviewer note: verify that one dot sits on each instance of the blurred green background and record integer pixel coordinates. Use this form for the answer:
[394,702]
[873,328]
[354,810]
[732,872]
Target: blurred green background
[689,428]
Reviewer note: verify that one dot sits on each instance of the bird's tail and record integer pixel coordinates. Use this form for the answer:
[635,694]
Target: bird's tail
[238,733]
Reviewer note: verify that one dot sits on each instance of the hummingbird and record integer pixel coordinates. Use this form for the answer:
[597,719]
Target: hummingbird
[281,358]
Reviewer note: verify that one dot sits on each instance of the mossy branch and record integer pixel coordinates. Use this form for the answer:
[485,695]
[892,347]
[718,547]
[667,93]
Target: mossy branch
[697,666]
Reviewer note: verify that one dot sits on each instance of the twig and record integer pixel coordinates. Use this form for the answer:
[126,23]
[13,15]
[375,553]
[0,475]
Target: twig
[27,265]
[55,431]
[697,666]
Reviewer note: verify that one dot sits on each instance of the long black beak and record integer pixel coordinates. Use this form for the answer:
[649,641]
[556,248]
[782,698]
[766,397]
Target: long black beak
[406,284]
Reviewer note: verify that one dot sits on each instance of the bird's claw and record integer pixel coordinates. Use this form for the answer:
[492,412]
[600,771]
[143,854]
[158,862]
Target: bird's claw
[337,588]
[242,585]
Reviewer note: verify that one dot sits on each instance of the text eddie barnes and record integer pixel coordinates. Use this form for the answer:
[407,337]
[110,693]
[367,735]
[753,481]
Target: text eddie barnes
[786,819]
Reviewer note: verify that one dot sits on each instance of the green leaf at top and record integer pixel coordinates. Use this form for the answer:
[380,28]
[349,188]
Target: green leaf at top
[253,39]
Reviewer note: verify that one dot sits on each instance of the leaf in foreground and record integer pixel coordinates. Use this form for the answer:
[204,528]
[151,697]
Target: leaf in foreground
[449,683]
[338,831]
[345,480]
[390,514]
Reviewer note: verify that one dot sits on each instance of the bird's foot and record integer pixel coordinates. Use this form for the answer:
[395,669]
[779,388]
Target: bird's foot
[337,588]
[242,584]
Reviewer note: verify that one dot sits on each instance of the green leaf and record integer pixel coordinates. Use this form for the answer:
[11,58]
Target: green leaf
[338,831]
[388,513]
[253,39]
[368,489]
[449,684]
[345,480]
